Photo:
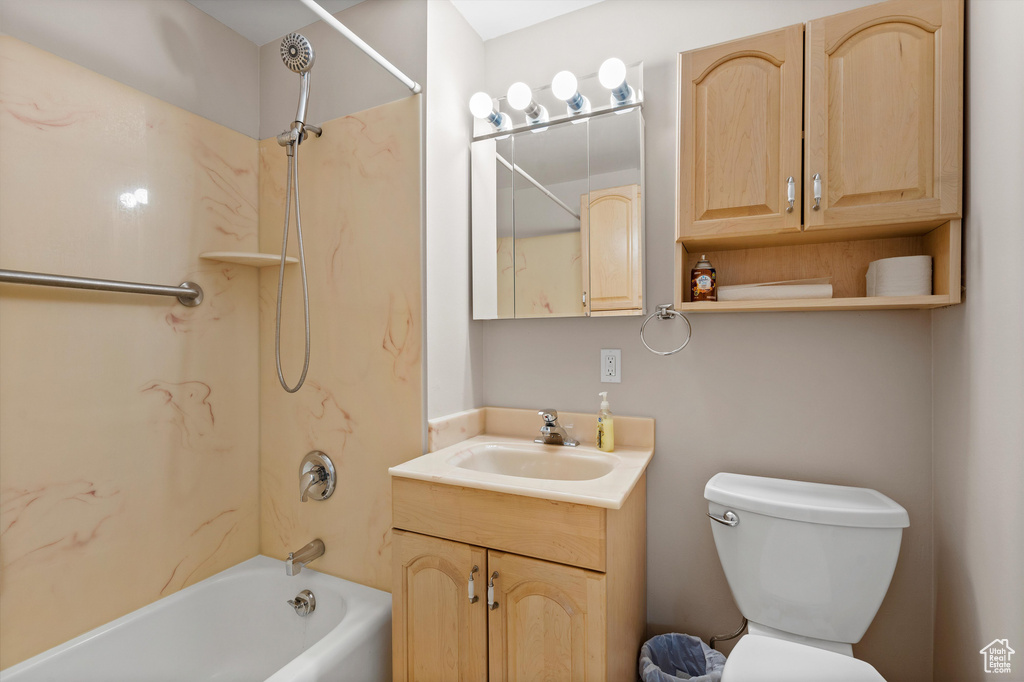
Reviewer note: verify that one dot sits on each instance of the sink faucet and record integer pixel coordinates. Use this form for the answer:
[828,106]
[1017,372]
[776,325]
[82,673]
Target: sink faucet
[296,560]
[551,433]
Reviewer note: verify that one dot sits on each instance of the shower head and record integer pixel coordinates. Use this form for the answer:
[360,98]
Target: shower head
[297,53]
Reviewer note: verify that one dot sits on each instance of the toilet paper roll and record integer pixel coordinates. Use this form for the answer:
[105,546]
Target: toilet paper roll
[902,276]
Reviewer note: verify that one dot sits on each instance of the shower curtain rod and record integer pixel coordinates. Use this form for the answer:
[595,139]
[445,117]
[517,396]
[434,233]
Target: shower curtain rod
[362,45]
[533,181]
[188,293]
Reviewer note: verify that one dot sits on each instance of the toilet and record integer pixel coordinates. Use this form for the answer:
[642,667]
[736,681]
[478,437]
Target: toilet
[808,565]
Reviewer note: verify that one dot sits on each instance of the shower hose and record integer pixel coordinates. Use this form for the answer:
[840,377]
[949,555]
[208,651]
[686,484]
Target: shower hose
[293,181]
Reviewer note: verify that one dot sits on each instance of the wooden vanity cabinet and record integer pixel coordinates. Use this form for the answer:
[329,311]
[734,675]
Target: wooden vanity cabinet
[582,621]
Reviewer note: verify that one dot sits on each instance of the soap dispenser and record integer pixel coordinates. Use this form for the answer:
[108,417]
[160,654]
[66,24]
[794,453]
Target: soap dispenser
[605,425]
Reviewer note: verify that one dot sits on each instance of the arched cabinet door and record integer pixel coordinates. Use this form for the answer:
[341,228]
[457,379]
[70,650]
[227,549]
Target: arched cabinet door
[740,119]
[884,115]
[612,249]
[548,622]
[438,634]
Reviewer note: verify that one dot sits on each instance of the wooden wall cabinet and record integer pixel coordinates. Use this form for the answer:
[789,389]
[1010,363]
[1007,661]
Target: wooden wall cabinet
[569,600]
[612,250]
[874,98]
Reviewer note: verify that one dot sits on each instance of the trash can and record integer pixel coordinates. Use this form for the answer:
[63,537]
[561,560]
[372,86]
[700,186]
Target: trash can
[671,657]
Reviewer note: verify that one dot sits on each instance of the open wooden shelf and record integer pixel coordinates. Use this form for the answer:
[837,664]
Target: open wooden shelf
[796,304]
[844,262]
[258,260]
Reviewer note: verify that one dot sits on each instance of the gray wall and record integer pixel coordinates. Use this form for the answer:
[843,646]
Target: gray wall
[978,371]
[165,48]
[834,397]
[455,70]
[344,80]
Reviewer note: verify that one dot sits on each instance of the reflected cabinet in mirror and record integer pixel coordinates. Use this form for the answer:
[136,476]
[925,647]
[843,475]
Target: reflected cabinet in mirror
[558,219]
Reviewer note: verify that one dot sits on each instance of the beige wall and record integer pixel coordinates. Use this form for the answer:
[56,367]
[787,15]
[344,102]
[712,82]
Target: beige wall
[117,408]
[344,80]
[978,371]
[362,400]
[834,397]
[455,70]
[165,48]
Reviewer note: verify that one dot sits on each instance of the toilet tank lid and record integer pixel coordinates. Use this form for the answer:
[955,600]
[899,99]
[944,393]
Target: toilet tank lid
[835,505]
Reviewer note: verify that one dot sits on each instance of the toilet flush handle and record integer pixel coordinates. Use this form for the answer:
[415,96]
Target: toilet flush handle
[726,519]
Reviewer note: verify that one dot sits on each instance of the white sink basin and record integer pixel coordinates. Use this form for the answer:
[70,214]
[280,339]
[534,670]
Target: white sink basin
[533,460]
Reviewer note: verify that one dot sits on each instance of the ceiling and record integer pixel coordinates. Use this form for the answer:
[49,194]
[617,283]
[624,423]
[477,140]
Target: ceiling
[262,21]
[493,18]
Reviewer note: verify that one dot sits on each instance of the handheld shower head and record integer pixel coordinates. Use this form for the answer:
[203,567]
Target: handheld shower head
[298,55]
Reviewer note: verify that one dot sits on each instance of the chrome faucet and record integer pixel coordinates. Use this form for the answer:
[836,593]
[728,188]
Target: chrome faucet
[297,560]
[551,433]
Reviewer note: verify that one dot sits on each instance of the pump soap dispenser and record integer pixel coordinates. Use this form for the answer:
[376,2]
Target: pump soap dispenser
[605,425]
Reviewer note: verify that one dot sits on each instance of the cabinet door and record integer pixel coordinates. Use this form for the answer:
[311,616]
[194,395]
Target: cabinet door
[740,119]
[549,622]
[884,122]
[611,249]
[437,633]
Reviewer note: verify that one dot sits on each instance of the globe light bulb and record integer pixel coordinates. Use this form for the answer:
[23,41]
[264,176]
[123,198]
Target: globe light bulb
[564,85]
[612,73]
[481,105]
[519,96]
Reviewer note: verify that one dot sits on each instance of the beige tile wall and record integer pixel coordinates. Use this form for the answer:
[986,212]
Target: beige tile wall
[362,401]
[128,446]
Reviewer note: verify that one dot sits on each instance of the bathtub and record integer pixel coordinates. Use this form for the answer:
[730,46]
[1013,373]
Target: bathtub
[233,627]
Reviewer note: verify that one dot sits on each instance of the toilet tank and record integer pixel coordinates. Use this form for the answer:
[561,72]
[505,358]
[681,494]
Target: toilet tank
[806,558]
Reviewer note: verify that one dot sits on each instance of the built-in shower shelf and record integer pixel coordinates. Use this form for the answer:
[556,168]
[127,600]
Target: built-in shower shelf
[256,260]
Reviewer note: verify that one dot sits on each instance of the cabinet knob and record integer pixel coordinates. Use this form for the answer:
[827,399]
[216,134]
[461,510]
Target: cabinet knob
[817,192]
[491,604]
[791,193]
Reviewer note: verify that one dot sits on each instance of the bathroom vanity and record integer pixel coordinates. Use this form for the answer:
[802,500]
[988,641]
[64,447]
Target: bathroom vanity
[518,561]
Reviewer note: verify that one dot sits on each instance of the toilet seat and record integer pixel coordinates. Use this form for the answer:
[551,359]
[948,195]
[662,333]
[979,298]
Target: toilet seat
[765,659]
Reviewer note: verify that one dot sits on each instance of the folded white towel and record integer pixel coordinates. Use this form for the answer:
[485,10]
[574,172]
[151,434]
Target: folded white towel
[768,291]
[901,276]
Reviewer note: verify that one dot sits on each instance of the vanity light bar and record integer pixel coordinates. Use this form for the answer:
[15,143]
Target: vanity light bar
[565,86]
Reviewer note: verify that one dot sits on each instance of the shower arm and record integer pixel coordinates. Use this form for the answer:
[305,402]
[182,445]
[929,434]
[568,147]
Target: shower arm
[362,45]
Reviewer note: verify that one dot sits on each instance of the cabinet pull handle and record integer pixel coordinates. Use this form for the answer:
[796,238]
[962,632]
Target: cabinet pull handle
[491,604]
[817,192]
[472,588]
[791,193]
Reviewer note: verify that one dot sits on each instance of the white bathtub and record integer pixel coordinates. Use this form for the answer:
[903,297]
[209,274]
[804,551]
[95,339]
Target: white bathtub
[233,627]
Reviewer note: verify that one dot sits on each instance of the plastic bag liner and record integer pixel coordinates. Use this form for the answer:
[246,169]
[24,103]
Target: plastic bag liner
[667,658]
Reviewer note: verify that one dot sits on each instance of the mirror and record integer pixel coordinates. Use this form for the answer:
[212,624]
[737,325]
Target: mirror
[558,219]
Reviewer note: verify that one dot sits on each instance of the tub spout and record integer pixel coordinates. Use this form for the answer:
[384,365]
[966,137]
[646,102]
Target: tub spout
[297,560]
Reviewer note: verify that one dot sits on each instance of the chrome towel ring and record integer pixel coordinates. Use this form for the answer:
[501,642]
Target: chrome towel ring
[666,312]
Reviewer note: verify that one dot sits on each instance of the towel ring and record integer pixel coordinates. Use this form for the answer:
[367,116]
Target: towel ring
[666,312]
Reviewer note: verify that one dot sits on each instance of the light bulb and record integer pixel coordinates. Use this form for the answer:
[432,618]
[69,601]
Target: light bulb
[564,85]
[519,96]
[481,105]
[612,73]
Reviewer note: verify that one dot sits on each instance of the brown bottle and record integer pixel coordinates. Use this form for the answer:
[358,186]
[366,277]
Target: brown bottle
[703,281]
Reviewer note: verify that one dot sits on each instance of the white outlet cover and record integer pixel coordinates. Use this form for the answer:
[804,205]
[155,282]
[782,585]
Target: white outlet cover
[611,366]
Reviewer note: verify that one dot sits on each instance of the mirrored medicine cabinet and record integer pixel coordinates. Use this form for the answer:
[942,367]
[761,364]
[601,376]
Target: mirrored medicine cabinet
[558,218]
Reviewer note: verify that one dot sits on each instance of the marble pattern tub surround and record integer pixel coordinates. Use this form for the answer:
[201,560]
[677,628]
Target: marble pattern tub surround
[362,401]
[128,423]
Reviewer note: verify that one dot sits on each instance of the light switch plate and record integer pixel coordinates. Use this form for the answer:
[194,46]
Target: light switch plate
[611,365]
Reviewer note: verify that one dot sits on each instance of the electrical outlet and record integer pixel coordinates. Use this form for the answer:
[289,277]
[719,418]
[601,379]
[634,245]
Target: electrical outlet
[611,365]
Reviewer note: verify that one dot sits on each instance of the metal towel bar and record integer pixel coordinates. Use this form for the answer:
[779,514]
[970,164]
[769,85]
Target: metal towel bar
[188,293]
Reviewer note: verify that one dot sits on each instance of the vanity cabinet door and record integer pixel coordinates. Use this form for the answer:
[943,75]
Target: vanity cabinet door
[437,633]
[612,249]
[740,119]
[549,622]
[884,115]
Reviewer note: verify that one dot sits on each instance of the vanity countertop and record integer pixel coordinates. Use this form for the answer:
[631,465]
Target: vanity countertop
[514,464]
